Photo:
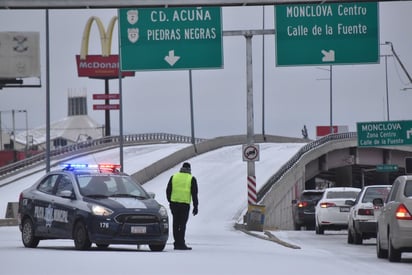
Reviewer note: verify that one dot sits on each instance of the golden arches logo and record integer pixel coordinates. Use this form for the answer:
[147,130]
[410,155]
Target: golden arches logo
[105,36]
[104,66]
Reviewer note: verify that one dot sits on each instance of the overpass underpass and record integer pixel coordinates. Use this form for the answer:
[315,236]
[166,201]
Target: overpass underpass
[355,167]
[334,160]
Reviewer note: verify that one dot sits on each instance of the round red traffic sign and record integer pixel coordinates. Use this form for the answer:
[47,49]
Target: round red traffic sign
[251,153]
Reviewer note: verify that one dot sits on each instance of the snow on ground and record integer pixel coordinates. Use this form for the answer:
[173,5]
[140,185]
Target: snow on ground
[217,247]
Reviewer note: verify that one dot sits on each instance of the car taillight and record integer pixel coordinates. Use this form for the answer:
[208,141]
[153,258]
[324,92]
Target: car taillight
[402,213]
[365,212]
[302,204]
[326,204]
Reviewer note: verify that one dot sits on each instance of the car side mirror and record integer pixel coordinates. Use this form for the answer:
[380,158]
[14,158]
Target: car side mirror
[151,195]
[294,201]
[377,202]
[350,202]
[68,194]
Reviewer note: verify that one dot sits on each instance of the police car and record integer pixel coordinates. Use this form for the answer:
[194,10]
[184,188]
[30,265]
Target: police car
[92,204]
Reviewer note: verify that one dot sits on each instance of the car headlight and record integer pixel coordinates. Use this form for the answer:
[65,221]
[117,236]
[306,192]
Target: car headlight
[99,210]
[162,211]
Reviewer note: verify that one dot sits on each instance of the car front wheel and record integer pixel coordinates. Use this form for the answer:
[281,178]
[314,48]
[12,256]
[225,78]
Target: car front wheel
[80,237]
[27,234]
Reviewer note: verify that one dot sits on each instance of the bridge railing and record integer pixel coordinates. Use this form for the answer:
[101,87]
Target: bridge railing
[92,145]
[295,159]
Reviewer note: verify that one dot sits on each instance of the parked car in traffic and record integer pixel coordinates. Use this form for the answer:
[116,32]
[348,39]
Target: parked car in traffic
[362,221]
[91,204]
[394,232]
[331,212]
[303,209]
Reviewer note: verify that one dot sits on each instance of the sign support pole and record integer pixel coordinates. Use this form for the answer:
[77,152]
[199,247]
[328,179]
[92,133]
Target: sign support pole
[252,197]
[107,112]
[192,123]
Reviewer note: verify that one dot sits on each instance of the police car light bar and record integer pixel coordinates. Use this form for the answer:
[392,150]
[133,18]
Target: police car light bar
[107,166]
[79,166]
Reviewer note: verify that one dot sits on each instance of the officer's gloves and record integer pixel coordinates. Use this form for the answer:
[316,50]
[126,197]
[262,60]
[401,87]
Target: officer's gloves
[195,210]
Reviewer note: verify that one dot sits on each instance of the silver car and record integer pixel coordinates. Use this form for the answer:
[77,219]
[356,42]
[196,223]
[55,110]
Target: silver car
[394,232]
[362,219]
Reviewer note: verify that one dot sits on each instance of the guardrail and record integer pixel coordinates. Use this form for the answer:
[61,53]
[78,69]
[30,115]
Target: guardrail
[292,161]
[92,145]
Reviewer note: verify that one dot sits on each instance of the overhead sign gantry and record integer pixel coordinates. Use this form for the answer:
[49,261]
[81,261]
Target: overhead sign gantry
[82,4]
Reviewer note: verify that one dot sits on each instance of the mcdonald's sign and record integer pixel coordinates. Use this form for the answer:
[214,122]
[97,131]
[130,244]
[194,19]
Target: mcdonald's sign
[105,65]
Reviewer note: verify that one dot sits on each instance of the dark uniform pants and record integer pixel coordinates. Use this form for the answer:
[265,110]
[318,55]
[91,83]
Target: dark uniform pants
[180,212]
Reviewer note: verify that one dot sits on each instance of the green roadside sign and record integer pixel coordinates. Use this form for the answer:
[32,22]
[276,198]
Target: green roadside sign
[386,168]
[327,34]
[170,38]
[384,133]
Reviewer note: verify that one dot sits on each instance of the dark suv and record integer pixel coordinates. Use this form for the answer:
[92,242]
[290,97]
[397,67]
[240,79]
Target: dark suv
[303,209]
[91,204]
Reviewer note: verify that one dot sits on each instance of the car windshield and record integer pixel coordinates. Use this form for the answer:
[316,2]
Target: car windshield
[101,185]
[341,195]
[376,192]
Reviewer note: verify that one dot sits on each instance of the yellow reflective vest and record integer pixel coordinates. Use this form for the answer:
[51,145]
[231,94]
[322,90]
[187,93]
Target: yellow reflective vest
[181,188]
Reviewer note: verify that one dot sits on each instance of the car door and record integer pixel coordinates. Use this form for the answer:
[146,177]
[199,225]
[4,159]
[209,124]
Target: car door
[386,213]
[63,207]
[42,201]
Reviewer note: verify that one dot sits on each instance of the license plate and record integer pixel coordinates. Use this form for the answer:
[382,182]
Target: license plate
[138,229]
[344,209]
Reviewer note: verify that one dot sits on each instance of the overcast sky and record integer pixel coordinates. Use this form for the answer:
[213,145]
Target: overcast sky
[159,101]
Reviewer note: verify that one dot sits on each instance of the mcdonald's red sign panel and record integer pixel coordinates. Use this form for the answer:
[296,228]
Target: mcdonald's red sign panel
[97,66]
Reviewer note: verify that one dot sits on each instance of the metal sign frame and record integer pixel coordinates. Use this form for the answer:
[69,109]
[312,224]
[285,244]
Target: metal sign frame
[87,4]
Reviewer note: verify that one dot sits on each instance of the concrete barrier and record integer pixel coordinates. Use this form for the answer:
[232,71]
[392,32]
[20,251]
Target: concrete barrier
[191,151]
[11,215]
[12,210]
[8,222]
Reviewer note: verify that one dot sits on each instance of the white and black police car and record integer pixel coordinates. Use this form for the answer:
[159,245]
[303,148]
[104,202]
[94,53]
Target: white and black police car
[92,204]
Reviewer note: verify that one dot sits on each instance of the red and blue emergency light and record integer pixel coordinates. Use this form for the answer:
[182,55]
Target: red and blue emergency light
[82,166]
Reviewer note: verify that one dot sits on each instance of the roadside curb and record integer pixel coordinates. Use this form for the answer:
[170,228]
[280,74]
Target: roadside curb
[8,222]
[269,236]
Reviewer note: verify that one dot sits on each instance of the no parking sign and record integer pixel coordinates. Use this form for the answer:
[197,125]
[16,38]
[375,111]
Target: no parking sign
[250,152]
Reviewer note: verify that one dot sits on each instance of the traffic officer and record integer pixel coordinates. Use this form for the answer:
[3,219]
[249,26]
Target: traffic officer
[181,189]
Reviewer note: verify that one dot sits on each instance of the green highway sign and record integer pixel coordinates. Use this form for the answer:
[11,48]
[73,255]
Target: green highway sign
[386,168]
[384,133]
[170,38]
[327,34]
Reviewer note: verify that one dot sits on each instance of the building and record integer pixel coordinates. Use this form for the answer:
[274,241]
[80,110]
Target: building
[76,127]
